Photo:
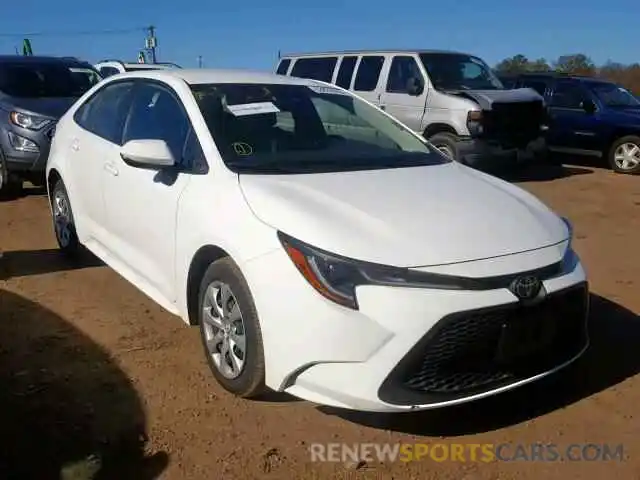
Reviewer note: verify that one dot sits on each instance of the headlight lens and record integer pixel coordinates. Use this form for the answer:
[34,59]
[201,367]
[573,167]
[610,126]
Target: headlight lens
[30,122]
[336,277]
[570,259]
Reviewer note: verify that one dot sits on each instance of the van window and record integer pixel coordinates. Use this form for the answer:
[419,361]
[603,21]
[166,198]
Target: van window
[320,68]
[368,73]
[283,67]
[402,70]
[345,72]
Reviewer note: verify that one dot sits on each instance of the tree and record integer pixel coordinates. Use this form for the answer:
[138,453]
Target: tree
[578,64]
[516,64]
[539,65]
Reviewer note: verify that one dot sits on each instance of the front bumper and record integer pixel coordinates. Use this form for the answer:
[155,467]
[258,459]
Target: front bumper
[481,153]
[21,162]
[405,349]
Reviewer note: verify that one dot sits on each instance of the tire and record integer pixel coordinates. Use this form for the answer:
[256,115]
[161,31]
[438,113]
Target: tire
[628,143]
[63,222]
[10,186]
[247,380]
[446,143]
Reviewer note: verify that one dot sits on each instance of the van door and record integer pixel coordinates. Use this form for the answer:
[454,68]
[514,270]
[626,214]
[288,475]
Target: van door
[404,94]
[367,83]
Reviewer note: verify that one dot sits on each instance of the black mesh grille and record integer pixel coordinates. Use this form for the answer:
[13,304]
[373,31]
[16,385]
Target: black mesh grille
[514,124]
[475,351]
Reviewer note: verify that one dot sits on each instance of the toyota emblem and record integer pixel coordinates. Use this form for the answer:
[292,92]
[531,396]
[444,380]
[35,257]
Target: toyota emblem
[526,288]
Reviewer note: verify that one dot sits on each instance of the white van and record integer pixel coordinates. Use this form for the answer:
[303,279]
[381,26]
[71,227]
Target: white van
[453,99]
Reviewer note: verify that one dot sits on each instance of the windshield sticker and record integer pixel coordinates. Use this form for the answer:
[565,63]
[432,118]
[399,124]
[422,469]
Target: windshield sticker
[242,149]
[326,90]
[243,109]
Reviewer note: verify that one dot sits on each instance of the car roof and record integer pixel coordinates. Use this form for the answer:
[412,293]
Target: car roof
[370,52]
[198,76]
[39,60]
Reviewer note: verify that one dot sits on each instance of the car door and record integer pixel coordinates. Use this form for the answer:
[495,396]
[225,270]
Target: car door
[367,82]
[572,129]
[141,203]
[404,95]
[100,120]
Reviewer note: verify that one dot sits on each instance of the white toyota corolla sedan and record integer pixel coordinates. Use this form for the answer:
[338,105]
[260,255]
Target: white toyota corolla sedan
[323,248]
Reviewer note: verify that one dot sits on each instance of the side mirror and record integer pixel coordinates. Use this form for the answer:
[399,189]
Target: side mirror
[154,154]
[588,106]
[414,87]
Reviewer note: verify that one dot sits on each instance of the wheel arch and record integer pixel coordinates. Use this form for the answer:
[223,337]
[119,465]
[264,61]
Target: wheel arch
[434,128]
[204,256]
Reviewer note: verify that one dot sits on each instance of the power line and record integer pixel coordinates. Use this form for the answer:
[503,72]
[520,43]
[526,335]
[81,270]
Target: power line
[76,33]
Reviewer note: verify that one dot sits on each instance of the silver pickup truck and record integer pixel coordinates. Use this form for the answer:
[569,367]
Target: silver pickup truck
[453,99]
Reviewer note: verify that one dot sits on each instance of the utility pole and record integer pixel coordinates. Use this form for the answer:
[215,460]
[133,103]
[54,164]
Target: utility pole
[199,61]
[151,42]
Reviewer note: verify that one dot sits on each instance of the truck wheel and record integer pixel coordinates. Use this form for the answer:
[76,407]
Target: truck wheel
[446,143]
[624,155]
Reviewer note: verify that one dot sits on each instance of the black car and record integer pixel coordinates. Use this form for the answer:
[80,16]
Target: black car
[34,93]
[588,116]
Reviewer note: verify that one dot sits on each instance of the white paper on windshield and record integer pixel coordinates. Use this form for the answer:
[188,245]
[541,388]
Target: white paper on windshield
[322,89]
[244,109]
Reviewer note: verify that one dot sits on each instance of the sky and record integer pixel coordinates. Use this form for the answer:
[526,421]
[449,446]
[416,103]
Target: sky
[249,33]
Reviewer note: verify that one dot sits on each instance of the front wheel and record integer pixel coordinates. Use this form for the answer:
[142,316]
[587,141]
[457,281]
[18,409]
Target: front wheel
[230,330]
[10,186]
[624,155]
[63,222]
[446,143]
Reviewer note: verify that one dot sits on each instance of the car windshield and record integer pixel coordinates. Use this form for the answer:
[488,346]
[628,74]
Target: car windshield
[85,78]
[38,80]
[613,95]
[285,128]
[453,71]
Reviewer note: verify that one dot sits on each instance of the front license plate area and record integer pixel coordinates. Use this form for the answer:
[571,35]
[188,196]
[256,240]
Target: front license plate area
[524,336]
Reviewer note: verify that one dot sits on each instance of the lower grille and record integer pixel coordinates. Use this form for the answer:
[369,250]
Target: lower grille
[514,125]
[471,352]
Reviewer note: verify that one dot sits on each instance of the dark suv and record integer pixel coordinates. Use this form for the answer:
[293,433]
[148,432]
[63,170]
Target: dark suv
[588,116]
[34,93]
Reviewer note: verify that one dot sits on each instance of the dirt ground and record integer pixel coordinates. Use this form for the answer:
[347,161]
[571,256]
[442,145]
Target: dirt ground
[88,365]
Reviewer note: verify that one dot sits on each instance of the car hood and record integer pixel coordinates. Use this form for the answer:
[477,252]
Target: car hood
[407,217]
[486,98]
[53,107]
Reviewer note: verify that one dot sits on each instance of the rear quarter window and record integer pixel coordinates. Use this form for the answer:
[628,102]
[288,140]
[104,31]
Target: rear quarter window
[283,67]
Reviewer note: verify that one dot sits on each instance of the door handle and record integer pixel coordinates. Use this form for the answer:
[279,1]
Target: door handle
[75,145]
[111,169]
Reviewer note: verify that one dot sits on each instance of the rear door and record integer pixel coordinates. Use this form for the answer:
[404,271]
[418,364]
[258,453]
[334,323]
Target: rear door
[101,119]
[571,128]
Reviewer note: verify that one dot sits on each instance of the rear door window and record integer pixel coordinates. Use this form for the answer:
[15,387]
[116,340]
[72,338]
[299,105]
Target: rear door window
[345,72]
[318,68]
[537,85]
[104,113]
[368,73]
[567,95]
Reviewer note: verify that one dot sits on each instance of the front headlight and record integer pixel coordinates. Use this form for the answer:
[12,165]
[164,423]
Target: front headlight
[336,277]
[570,258]
[30,122]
